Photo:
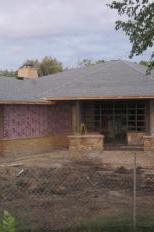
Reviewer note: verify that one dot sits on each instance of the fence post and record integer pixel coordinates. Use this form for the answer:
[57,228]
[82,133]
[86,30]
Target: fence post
[134,193]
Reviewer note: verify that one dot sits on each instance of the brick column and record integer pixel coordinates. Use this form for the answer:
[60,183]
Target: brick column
[149,140]
[1,129]
[152,117]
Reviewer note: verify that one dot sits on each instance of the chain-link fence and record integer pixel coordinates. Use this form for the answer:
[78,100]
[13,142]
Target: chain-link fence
[72,193]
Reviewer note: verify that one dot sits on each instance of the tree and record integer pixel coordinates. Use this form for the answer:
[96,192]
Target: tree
[7,73]
[87,62]
[46,66]
[138,25]
[34,63]
[145,63]
[50,65]
[99,61]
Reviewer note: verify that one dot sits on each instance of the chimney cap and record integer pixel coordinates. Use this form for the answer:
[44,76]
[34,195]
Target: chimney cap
[27,65]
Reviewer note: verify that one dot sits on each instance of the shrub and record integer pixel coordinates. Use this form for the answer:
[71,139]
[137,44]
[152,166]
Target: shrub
[8,223]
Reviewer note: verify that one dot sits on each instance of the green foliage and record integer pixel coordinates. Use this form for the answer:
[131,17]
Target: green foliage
[34,63]
[100,61]
[138,24]
[7,73]
[8,223]
[145,63]
[148,64]
[46,66]
[87,62]
[121,223]
[50,65]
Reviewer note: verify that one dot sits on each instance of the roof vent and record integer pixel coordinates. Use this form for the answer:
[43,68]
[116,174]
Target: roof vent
[27,71]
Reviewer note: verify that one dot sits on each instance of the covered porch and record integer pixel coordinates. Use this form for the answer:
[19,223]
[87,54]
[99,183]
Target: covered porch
[113,124]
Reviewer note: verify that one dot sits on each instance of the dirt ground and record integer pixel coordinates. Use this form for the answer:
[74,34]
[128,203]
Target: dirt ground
[60,189]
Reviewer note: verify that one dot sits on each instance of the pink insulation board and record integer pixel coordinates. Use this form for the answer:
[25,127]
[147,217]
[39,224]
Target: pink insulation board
[21,121]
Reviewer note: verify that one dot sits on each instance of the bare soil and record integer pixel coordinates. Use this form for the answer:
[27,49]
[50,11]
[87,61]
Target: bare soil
[59,189]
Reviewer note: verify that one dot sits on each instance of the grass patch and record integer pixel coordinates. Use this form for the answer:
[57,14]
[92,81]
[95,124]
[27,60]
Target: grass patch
[111,225]
[118,224]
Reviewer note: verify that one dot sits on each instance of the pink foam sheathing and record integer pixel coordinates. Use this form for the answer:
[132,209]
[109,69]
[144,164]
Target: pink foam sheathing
[21,121]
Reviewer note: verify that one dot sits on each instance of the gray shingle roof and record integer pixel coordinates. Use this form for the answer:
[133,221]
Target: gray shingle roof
[112,78]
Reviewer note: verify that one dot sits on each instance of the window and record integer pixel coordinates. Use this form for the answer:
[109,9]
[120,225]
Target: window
[130,116]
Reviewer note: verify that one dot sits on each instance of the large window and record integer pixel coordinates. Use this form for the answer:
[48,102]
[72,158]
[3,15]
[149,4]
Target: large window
[116,118]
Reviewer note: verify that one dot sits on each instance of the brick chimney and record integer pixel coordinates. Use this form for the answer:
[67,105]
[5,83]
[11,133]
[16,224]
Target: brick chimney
[27,71]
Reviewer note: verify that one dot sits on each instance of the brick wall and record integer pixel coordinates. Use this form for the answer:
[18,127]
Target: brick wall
[1,122]
[149,143]
[135,138]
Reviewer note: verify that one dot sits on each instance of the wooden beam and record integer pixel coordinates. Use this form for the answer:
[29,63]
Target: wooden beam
[25,102]
[76,117]
[97,98]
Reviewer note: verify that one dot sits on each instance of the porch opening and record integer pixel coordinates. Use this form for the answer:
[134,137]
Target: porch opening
[115,119]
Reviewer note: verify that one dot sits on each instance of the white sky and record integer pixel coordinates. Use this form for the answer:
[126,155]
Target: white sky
[69,30]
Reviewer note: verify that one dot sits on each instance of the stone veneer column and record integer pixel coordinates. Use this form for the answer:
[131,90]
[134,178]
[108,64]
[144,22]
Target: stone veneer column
[1,128]
[86,142]
[152,117]
[149,140]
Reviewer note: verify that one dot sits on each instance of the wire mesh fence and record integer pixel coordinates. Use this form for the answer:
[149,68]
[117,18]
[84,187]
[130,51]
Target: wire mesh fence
[84,193]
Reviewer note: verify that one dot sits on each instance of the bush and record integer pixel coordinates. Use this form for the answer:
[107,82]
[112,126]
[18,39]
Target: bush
[8,223]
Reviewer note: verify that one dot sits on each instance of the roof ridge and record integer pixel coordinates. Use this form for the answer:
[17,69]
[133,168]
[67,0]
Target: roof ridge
[71,80]
[72,69]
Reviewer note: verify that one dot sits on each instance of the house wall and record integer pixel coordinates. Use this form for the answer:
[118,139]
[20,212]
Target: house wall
[1,122]
[34,129]
[152,117]
[149,140]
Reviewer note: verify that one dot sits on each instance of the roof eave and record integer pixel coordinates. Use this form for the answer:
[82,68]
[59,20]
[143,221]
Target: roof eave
[68,98]
[26,102]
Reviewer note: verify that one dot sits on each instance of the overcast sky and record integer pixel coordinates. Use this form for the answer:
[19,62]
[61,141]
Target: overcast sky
[69,30]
